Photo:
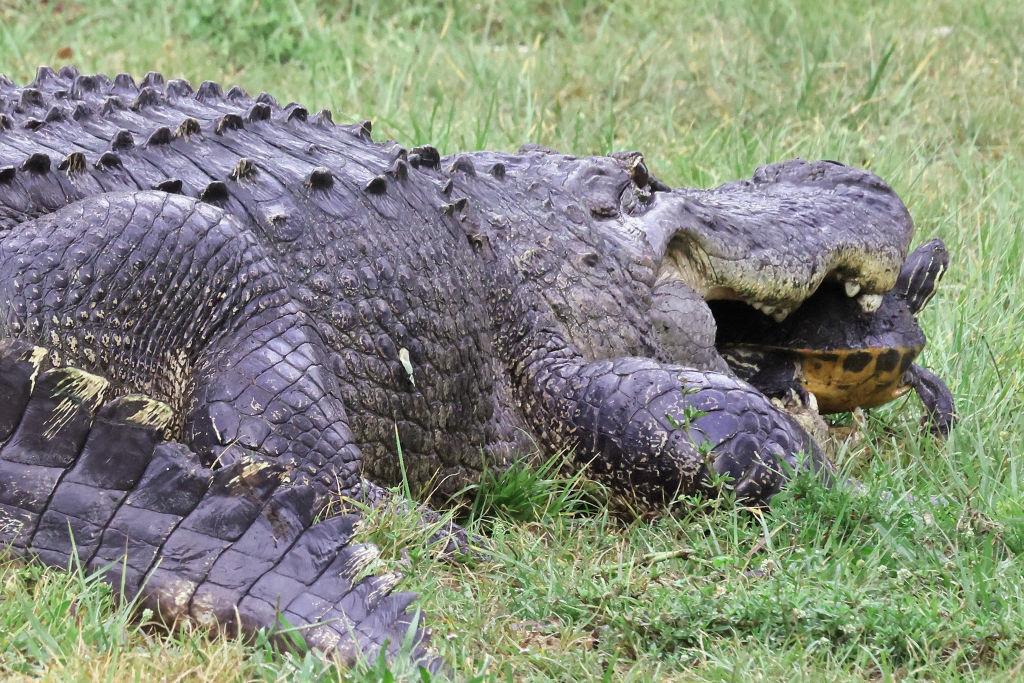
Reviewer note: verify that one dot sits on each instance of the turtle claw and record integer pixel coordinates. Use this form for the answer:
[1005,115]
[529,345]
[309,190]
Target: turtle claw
[936,397]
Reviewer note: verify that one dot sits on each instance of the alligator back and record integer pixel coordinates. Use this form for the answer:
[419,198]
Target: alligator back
[357,230]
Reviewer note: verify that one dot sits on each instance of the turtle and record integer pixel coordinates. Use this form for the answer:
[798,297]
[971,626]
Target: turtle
[842,350]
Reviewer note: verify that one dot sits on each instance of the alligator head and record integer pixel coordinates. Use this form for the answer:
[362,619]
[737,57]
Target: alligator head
[809,292]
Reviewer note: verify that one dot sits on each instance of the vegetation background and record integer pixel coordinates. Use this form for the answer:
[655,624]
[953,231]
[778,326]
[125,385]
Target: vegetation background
[829,585]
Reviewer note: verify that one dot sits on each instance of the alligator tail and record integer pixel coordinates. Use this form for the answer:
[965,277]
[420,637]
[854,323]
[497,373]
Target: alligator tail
[88,481]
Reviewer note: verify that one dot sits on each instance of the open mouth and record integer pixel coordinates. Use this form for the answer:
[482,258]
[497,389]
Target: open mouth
[833,347]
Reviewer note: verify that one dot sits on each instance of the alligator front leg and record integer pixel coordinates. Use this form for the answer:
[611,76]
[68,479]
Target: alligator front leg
[653,431]
[87,480]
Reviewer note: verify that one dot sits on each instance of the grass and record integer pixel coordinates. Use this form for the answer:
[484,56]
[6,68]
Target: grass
[829,584]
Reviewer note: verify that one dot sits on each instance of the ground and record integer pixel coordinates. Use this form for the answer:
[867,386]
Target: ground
[829,584]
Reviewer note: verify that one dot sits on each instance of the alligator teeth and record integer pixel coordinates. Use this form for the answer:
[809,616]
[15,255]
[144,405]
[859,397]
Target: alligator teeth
[852,288]
[869,303]
[780,315]
[812,401]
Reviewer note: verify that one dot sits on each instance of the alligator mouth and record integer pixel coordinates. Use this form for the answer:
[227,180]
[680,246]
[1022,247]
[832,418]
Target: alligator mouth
[805,269]
[775,291]
[842,353]
[833,349]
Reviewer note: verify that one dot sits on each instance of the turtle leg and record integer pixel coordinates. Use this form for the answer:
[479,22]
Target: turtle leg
[936,397]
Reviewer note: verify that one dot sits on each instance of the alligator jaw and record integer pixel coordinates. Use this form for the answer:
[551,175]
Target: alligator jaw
[772,241]
[848,352]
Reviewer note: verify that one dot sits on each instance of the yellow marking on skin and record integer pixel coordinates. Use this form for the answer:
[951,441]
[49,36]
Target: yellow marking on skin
[361,559]
[250,470]
[10,526]
[175,595]
[79,388]
[403,357]
[203,610]
[151,413]
[386,583]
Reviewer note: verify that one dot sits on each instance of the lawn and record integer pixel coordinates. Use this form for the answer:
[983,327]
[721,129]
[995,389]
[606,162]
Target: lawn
[830,584]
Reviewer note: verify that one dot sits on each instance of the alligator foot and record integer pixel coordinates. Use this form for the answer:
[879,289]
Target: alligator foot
[451,540]
[940,411]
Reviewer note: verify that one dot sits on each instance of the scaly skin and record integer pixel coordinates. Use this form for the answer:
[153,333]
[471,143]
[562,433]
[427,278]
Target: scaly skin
[287,294]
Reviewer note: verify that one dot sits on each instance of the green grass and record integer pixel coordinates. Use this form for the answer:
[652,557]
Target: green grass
[829,584]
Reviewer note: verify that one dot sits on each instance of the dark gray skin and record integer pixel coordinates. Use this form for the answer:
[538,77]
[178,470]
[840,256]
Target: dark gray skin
[222,312]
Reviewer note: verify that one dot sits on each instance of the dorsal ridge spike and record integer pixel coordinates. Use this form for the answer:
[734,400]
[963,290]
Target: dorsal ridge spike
[178,88]
[461,203]
[160,136]
[243,170]
[81,111]
[498,170]
[366,129]
[236,94]
[36,163]
[68,72]
[214,193]
[109,160]
[72,163]
[7,174]
[324,118]
[83,85]
[30,98]
[56,113]
[377,185]
[320,178]
[267,99]
[148,97]
[124,84]
[112,104]
[228,122]
[399,169]
[170,186]
[153,79]
[122,139]
[44,75]
[260,111]
[428,154]
[297,113]
[187,128]
[209,91]
[463,164]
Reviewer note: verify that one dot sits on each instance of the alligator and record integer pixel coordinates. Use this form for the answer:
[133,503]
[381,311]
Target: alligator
[224,318]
